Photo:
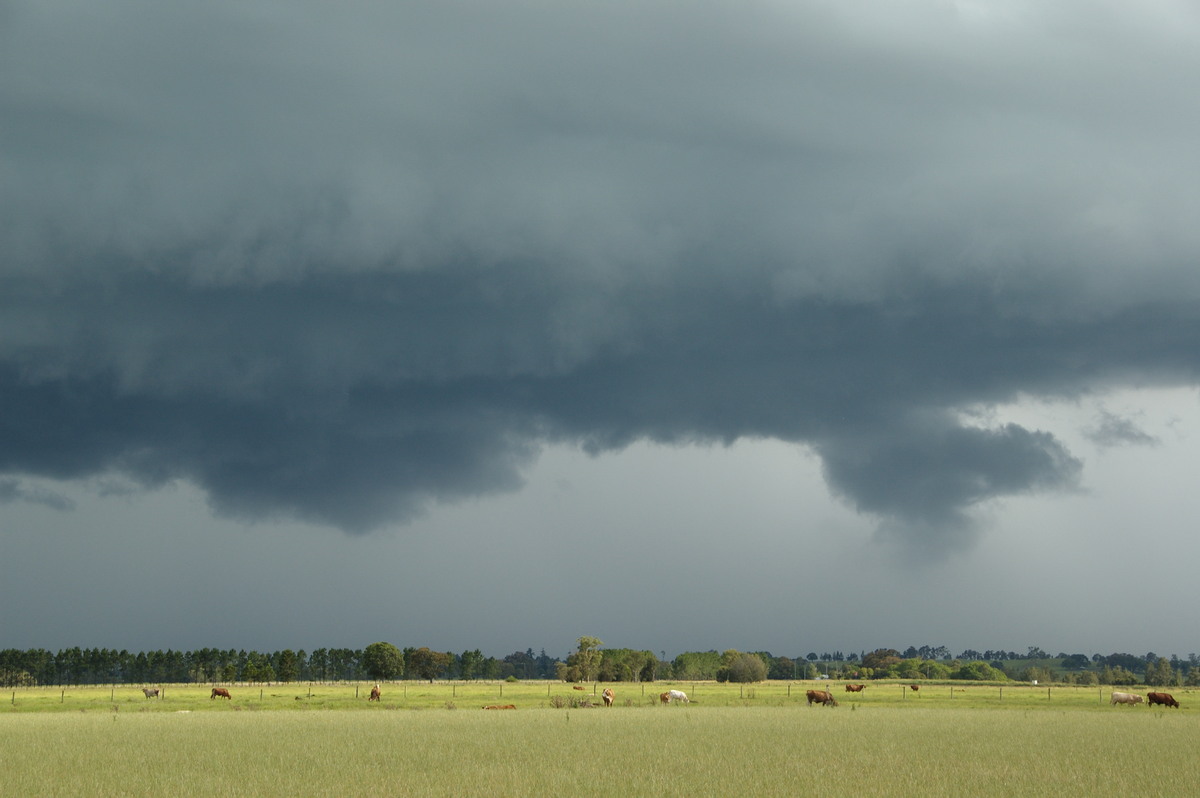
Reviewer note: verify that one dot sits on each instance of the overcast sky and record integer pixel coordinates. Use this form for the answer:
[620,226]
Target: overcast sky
[796,326]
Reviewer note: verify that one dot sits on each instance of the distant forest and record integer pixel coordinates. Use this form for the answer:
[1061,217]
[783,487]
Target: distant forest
[590,662]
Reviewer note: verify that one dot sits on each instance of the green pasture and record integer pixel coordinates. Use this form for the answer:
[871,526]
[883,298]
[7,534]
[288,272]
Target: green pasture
[412,695]
[726,745]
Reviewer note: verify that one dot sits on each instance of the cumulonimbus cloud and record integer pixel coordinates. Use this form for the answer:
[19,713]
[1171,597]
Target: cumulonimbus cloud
[343,286]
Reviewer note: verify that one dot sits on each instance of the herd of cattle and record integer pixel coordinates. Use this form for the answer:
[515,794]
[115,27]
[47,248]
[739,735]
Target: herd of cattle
[823,697]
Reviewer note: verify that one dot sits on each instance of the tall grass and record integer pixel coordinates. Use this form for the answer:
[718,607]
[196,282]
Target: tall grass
[697,750]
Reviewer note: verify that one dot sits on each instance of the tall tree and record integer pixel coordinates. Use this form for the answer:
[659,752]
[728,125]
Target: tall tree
[383,661]
[428,664]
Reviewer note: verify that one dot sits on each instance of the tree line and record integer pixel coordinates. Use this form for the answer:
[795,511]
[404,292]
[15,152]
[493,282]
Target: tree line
[589,662]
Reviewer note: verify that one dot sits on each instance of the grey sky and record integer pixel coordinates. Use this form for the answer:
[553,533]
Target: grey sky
[304,293]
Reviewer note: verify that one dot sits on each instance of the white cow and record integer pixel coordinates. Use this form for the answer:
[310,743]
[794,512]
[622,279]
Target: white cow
[678,696]
[1125,698]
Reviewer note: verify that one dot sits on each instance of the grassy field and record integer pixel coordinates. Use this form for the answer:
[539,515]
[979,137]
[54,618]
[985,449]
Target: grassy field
[728,742]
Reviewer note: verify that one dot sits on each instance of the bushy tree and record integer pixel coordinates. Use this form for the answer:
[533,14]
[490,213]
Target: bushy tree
[881,658]
[696,665]
[428,664]
[1160,673]
[979,672]
[383,661]
[739,667]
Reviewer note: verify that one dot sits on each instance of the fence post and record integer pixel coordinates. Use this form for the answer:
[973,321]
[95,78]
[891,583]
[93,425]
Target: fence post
[1047,693]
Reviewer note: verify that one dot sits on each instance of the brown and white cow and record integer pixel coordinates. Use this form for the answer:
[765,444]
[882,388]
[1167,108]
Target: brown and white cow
[1166,699]
[608,696]
[855,688]
[375,694]
[151,692]
[821,697]
[220,691]
[501,706]
[1125,698]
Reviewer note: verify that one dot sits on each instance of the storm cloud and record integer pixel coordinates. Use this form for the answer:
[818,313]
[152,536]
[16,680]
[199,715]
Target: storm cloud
[341,263]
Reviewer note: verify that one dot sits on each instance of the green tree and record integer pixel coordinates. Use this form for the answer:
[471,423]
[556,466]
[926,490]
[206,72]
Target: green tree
[1160,673]
[739,667]
[383,661]
[428,664]
[881,658]
[287,666]
[471,664]
[587,657]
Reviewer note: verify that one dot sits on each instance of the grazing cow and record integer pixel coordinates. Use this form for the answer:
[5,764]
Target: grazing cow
[677,696]
[501,706]
[151,692]
[664,697]
[821,697]
[1125,698]
[914,687]
[608,696]
[855,688]
[220,691]
[1166,699]
[576,687]
[375,694]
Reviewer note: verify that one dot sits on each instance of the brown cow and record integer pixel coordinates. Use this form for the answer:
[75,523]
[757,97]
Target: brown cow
[576,687]
[608,696]
[664,697]
[914,687]
[220,691]
[1166,699]
[501,706]
[821,697]
[855,688]
[151,692]
[375,694]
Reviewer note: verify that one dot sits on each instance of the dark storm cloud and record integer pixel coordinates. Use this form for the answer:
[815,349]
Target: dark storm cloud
[338,263]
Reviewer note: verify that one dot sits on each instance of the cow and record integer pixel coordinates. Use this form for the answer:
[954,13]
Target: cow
[220,691]
[821,697]
[1166,699]
[674,696]
[855,688]
[151,692]
[501,706]
[664,697]
[608,696]
[1125,698]
[576,687]
[914,687]
[375,694]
